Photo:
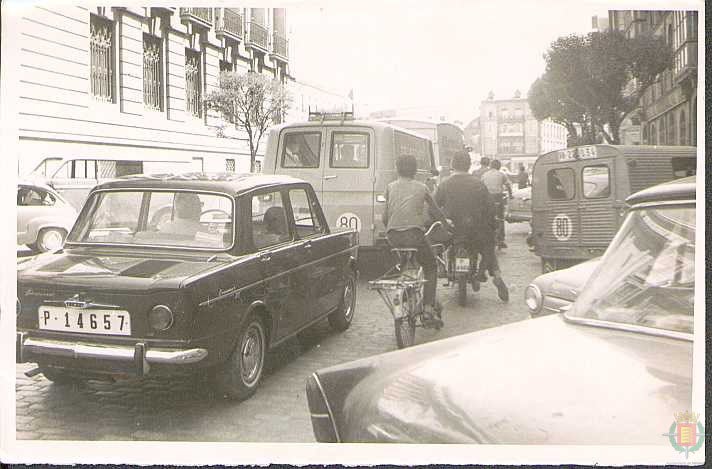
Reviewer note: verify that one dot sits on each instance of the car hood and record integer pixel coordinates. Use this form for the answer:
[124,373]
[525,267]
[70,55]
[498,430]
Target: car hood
[540,381]
[110,270]
[567,283]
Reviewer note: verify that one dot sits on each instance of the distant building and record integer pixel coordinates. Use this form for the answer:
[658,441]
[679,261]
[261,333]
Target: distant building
[599,24]
[112,81]
[668,110]
[509,132]
[307,96]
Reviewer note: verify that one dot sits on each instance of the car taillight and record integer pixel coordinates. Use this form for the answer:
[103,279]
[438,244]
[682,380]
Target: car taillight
[160,318]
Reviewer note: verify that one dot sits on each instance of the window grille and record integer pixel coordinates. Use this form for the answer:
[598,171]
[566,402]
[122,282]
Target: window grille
[193,84]
[101,58]
[152,73]
[230,165]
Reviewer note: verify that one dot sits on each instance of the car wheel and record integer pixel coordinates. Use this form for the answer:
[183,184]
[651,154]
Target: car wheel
[241,374]
[58,376]
[341,319]
[49,239]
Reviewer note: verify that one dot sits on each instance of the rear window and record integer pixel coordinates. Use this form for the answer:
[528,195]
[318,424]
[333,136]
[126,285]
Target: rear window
[349,150]
[560,184]
[416,146]
[301,150]
[596,182]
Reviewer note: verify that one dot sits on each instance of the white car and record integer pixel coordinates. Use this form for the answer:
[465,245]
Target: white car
[43,217]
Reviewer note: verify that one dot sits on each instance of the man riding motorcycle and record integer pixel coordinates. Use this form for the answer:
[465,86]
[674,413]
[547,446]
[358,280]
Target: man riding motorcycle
[468,203]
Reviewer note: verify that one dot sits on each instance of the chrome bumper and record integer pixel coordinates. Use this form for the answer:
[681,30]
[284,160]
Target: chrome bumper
[139,354]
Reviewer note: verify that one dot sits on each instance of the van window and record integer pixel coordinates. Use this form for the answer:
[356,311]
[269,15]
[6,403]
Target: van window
[560,184]
[412,145]
[301,150]
[596,181]
[349,150]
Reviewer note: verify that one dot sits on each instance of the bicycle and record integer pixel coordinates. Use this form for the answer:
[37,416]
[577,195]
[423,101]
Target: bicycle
[401,289]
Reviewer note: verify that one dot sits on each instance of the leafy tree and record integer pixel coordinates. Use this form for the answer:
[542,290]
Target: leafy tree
[585,85]
[251,102]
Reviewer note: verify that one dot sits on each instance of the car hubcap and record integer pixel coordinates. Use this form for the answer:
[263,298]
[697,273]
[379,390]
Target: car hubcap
[251,354]
[51,240]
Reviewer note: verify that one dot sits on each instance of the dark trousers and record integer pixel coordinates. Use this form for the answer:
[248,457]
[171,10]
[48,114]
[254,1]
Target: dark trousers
[499,213]
[415,238]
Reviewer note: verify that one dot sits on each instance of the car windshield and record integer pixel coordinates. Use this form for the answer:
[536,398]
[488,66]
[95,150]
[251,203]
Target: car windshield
[647,276]
[165,218]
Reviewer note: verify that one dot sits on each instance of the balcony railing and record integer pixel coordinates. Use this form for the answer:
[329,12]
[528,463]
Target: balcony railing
[228,22]
[685,60]
[258,36]
[202,16]
[280,46]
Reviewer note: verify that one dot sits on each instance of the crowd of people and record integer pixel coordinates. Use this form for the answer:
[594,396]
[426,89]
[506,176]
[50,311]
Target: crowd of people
[471,204]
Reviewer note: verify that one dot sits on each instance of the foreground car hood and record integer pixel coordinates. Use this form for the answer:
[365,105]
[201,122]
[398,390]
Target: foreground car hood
[567,283]
[113,270]
[584,385]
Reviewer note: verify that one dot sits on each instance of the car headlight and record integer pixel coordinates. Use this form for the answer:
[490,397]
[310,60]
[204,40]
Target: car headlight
[160,318]
[533,298]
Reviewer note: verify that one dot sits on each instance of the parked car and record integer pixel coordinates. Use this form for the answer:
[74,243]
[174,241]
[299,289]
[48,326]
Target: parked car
[612,370]
[551,292]
[519,207]
[43,216]
[243,263]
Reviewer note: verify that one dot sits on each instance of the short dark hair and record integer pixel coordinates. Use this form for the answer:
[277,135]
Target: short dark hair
[484,161]
[461,161]
[495,164]
[407,166]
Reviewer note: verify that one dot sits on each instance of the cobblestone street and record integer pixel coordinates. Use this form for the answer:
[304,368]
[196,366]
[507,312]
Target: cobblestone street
[188,410]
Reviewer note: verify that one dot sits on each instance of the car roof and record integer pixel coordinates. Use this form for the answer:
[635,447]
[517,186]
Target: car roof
[229,183]
[374,124]
[35,183]
[678,189]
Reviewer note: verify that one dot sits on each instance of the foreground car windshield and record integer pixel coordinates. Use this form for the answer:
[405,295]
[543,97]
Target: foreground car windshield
[647,276]
[165,218]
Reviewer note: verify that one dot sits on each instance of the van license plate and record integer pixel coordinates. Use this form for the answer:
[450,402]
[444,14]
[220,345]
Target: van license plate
[90,321]
[462,264]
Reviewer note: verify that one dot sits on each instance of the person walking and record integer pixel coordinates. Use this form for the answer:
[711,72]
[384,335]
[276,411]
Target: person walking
[407,201]
[522,177]
[497,182]
[468,203]
[484,167]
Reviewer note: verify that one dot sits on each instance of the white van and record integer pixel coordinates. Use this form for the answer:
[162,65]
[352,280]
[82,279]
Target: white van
[349,163]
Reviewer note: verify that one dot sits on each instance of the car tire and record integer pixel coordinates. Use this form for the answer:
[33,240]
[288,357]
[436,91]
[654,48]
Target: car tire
[48,239]
[58,377]
[239,377]
[340,319]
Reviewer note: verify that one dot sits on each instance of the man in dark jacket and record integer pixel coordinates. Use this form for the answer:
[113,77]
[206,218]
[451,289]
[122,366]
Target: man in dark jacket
[467,202]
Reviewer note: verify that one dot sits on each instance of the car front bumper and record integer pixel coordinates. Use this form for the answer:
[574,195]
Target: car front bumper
[137,358]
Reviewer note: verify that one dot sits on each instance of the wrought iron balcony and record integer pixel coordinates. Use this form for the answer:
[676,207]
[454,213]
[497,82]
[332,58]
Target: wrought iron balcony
[258,36]
[228,22]
[280,46]
[202,16]
[685,61]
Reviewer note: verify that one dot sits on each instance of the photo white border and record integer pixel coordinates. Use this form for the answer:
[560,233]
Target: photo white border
[181,453]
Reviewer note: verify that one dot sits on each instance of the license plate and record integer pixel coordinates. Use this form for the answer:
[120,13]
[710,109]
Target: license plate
[94,321]
[462,264]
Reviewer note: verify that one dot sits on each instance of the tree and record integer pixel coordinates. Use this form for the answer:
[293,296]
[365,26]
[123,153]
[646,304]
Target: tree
[251,102]
[585,85]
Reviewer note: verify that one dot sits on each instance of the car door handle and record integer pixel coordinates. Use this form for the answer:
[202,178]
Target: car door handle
[265,257]
[307,245]
[331,176]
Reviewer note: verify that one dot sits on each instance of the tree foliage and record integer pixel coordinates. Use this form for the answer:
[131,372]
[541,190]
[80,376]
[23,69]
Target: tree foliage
[585,86]
[251,102]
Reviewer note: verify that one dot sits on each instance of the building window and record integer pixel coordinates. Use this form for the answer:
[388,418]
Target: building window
[683,128]
[671,140]
[226,66]
[101,53]
[152,73]
[193,85]
[653,134]
[230,165]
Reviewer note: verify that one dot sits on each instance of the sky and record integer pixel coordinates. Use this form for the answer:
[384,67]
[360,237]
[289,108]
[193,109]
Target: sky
[434,56]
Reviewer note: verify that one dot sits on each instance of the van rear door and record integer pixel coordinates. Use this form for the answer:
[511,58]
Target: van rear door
[561,228]
[300,154]
[348,179]
[597,208]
